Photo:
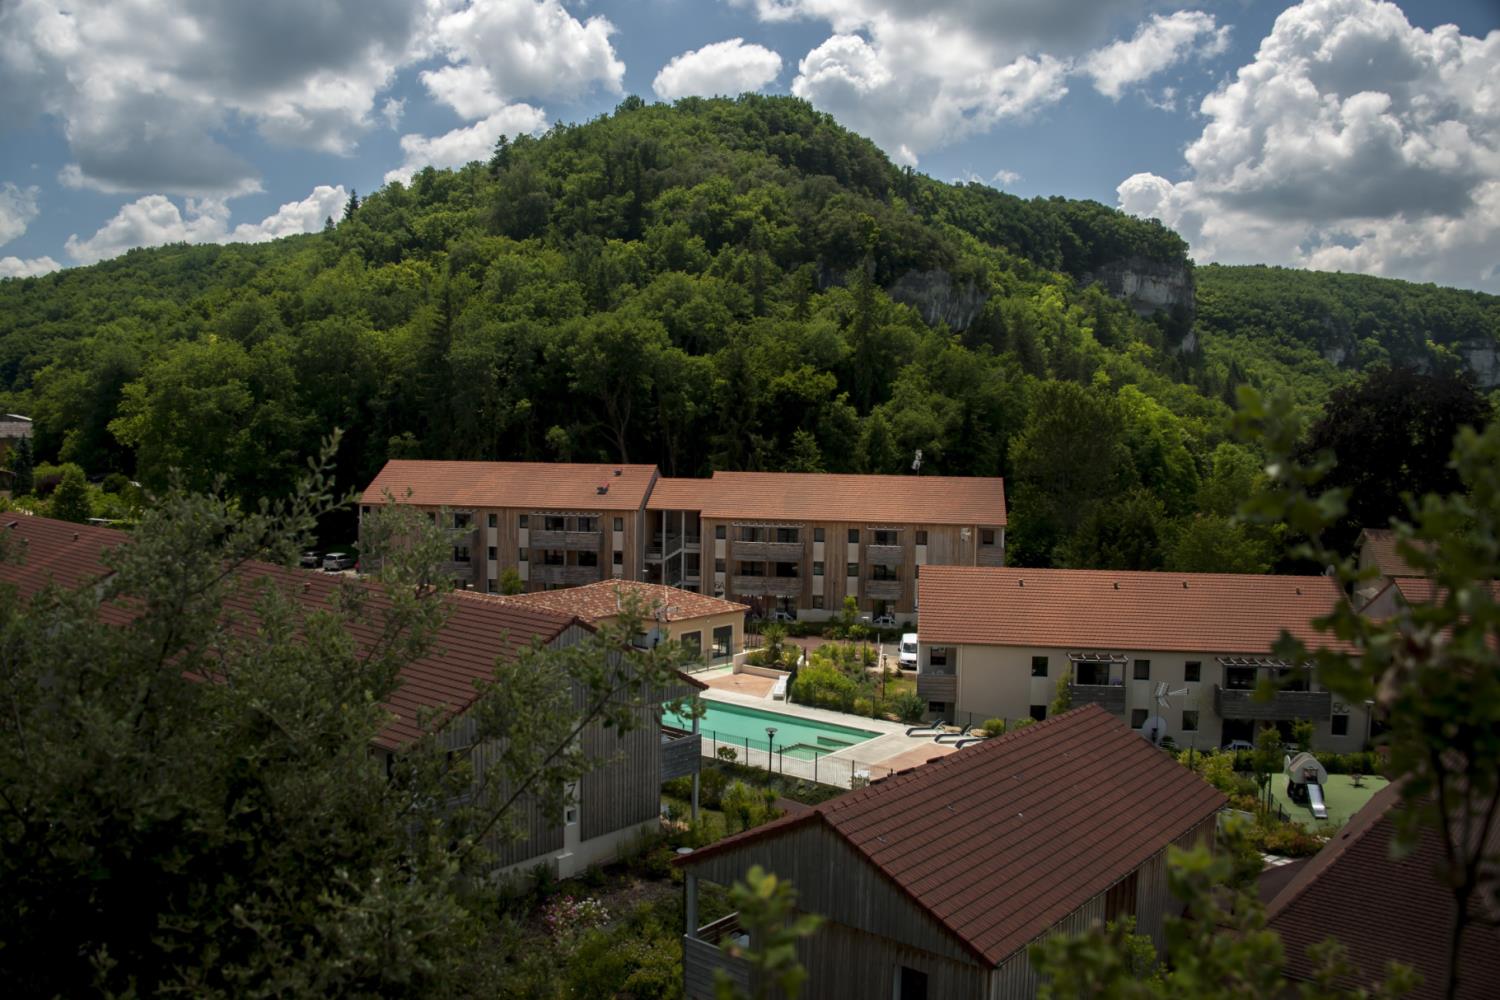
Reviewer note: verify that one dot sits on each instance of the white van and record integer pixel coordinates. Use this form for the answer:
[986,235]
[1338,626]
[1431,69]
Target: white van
[909,651]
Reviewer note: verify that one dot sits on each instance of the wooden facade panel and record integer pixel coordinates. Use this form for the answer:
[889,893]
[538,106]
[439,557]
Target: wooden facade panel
[700,959]
[626,790]
[842,961]
[833,880]
[680,757]
[1015,979]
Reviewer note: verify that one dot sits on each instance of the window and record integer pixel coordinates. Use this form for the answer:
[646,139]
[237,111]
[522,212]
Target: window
[553,557]
[723,636]
[718,565]
[619,524]
[853,536]
[788,535]
[853,570]
[987,536]
[1192,670]
[619,558]
[1143,670]
[911,984]
[921,538]
[1119,901]
[493,521]
[817,534]
[489,585]
[885,537]
[554,522]
[1189,721]
[937,707]
[882,572]
[1039,712]
[588,559]
[817,568]
[521,521]
[817,602]
[364,508]
[1039,666]
[719,531]
[938,656]
[461,553]
[693,643]
[570,816]
[585,524]
[493,553]
[748,534]
[432,516]
[520,555]
[1138,717]
[1340,725]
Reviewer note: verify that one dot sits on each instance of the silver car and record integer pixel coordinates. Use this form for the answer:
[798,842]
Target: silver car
[337,562]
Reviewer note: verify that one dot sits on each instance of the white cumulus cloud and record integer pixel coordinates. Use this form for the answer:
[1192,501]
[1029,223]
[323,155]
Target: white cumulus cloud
[16,267]
[17,208]
[155,220]
[474,142]
[730,67]
[1161,42]
[1354,140]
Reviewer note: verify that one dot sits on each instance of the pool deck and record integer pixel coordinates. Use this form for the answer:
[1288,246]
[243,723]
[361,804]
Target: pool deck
[892,750]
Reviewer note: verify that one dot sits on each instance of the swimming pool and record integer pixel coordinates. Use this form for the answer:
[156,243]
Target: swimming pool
[796,736]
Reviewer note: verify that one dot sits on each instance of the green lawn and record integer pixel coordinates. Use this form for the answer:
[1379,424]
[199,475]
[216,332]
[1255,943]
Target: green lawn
[1342,798]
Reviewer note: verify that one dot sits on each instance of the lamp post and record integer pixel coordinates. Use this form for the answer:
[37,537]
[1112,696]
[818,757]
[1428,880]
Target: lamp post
[770,746]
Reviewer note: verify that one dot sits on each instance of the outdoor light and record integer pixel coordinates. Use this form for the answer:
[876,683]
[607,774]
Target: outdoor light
[770,746]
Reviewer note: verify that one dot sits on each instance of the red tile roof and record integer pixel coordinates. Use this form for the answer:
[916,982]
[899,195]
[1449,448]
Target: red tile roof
[595,602]
[1380,546]
[524,485]
[1382,909]
[46,551]
[1002,840]
[1421,590]
[476,635]
[1117,609]
[823,496]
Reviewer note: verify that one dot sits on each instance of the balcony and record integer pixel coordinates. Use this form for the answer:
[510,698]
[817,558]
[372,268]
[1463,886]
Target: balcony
[990,555]
[883,590]
[702,955]
[565,576]
[1110,697]
[759,586]
[692,543]
[1234,703]
[680,753]
[572,541]
[937,687]
[886,555]
[768,551]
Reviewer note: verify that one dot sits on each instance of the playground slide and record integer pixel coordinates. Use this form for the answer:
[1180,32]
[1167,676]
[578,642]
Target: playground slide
[1315,800]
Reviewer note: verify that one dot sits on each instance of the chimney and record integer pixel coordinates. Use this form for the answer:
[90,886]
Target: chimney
[619,472]
[602,488]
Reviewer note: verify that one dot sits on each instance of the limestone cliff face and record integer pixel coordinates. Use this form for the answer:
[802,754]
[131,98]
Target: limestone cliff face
[937,297]
[1148,285]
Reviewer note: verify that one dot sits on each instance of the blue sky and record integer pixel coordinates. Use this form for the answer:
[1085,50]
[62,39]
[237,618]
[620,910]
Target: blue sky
[1339,134]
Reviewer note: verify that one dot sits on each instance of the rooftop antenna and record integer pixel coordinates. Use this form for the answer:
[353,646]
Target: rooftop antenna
[916,461]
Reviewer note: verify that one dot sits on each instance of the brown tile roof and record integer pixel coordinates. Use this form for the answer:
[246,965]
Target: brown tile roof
[524,485]
[826,496]
[476,635]
[1382,909]
[1421,590]
[1118,609]
[58,552]
[1380,545]
[595,602]
[1001,840]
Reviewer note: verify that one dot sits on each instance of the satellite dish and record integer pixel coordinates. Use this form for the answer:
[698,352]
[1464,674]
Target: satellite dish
[1154,729]
[1162,694]
[916,462]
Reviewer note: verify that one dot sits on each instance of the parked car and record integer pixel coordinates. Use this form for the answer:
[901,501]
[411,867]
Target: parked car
[909,651]
[337,562]
[1239,745]
[780,616]
[886,621]
[312,559]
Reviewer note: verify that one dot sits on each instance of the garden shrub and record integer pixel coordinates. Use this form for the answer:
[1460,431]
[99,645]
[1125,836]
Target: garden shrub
[995,727]
[907,707]
[823,685]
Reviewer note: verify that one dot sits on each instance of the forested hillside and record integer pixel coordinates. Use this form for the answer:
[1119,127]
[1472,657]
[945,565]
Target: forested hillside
[715,284]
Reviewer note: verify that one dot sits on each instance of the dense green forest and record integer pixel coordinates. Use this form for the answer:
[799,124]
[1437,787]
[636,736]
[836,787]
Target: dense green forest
[712,284]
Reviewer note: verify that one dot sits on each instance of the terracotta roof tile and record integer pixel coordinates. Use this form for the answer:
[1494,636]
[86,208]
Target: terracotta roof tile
[58,552]
[526,485]
[1380,544]
[1382,909]
[818,496]
[595,602]
[1002,840]
[1421,590]
[1110,609]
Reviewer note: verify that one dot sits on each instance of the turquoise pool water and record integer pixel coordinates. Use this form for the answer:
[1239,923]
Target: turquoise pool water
[796,737]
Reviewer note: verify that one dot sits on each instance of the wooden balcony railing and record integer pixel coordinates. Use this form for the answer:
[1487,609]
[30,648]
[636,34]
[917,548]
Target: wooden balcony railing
[1231,703]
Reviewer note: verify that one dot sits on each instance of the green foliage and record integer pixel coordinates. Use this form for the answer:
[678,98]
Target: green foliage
[908,707]
[511,582]
[745,807]
[995,727]
[767,907]
[1062,696]
[70,501]
[822,685]
[21,465]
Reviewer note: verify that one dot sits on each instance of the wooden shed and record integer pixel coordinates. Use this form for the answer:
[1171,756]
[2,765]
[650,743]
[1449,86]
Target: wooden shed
[933,882]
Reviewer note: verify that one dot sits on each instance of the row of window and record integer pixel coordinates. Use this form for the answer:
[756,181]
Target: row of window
[550,522]
[1192,670]
[878,536]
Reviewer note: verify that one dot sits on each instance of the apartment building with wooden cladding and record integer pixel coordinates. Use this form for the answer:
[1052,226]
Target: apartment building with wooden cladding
[794,542]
